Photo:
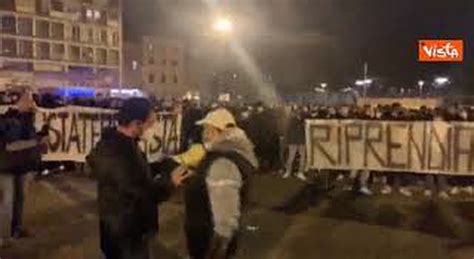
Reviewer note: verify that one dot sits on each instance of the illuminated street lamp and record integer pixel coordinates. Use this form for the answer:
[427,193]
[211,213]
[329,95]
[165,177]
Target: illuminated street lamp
[364,83]
[319,90]
[223,28]
[223,25]
[360,82]
[323,89]
[421,83]
[324,85]
[441,81]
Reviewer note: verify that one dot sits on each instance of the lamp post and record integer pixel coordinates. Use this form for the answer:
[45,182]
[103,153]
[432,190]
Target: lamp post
[421,83]
[323,89]
[324,86]
[364,83]
[441,81]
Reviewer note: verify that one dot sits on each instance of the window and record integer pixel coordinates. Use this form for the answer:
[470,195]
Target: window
[134,65]
[43,50]
[101,56]
[163,78]
[175,78]
[151,78]
[115,39]
[74,53]
[57,31]
[8,5]
[8,47]
[57,5]
[57,52]
[76,33]
[97,15]
[113,57]
[25,26]
[174,63]
[89,14]
[42,29]
[103,37]
[87,55]
[151,60]
[150,46]
[163,62]
[90,35]
[25,49]
[8,24]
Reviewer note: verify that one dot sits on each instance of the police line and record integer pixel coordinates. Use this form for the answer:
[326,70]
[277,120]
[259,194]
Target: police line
[420,146]
[75,130]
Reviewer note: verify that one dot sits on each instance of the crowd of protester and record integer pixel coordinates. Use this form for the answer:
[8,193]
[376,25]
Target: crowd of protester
[278,134]
[269,137]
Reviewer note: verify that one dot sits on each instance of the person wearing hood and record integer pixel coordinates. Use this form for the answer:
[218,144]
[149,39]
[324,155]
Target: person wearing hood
[129,189]
[215,194]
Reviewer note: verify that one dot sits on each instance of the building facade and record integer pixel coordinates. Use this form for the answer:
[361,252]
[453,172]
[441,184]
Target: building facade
[132,65]
[163,67]
[49,43]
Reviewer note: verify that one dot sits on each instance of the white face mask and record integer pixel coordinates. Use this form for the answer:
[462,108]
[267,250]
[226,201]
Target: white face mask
[463,115]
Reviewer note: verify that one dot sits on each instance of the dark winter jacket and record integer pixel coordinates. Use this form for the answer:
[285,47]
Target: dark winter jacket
[128,191]
[189,131]
[20,148]
[296,130]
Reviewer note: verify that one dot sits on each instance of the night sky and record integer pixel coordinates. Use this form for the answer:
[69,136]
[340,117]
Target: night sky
[329,40]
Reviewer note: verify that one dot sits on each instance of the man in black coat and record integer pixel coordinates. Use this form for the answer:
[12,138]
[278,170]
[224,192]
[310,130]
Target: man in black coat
[20,153]
[190,133]
[128,191]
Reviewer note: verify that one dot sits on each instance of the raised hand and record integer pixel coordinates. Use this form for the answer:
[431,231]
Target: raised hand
[179,175]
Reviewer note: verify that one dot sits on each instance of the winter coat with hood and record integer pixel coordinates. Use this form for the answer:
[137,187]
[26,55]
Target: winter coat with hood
[221,178]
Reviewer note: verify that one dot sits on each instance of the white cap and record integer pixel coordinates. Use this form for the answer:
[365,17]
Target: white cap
[220,118]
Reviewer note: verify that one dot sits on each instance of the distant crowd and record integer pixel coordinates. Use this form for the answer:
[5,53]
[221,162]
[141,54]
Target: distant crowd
[278,133]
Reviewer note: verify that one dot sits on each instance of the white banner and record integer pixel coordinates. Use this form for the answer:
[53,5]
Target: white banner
[404,146]
[75,130]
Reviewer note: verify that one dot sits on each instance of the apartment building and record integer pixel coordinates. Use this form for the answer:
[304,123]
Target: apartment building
[164,67]
[47,43]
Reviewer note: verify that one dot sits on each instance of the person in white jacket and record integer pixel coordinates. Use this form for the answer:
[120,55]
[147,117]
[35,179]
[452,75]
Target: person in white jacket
[216,194]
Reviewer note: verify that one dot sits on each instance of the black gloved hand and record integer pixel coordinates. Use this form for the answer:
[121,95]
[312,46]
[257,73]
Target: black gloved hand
[219,247]
[162,169]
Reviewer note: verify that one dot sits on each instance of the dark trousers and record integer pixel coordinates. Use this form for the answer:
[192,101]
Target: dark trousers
[18,201]
[198,240]
[124,247]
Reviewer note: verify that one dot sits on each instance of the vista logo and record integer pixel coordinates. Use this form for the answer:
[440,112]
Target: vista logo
[440,50]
